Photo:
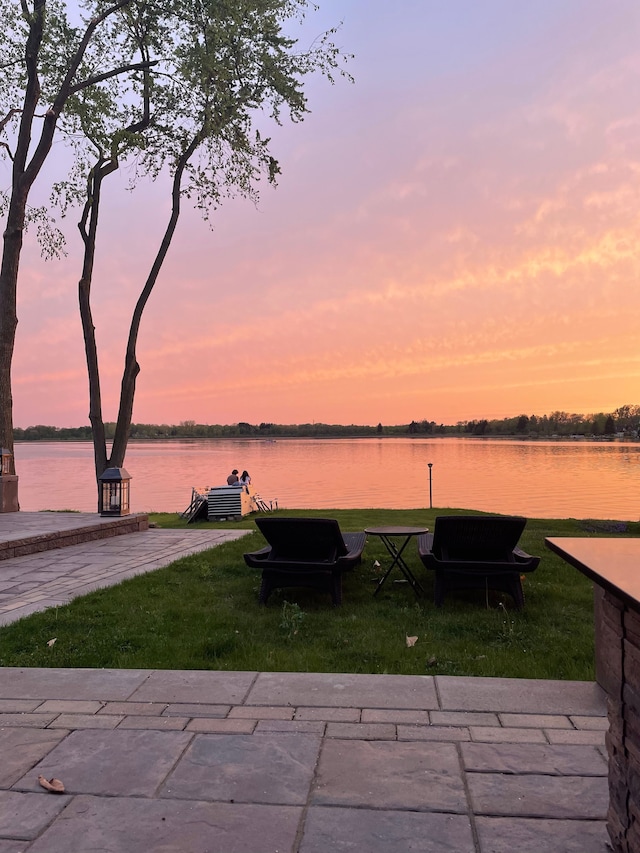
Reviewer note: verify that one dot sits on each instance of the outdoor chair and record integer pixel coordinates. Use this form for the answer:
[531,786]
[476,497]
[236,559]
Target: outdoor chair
[305,552]
[476,552]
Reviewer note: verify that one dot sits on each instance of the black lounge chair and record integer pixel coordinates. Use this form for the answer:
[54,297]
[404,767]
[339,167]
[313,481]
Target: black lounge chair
[305,552]
[476,552]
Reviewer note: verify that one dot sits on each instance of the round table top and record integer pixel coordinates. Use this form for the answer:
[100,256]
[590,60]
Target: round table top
[395,530]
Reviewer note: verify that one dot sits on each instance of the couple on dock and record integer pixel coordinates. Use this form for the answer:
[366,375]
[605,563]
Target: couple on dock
[243,480]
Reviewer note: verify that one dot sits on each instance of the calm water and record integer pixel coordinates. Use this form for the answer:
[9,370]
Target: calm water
[538,479]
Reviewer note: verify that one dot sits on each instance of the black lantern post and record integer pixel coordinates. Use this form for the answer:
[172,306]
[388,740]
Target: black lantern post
[430,464]
[114,492]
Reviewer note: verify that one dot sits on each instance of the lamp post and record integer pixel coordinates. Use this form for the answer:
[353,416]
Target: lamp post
[430,464]
[113,492]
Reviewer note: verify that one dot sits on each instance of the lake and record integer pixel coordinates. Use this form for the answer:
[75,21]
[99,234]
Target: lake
[573,479]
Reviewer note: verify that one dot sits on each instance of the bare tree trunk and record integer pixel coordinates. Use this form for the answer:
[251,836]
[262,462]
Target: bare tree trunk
[23,176]
[12,237]
[131,366]
[91,214]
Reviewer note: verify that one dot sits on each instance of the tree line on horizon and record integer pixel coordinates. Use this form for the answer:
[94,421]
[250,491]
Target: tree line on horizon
[625,421]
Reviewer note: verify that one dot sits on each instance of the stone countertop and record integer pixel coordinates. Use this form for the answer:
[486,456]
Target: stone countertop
[613,563]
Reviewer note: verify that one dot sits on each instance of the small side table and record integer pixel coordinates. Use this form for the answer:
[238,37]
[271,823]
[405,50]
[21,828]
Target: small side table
[388,535]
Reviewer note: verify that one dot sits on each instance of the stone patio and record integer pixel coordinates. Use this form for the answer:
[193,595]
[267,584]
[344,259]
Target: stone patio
[256,762]
[248,762]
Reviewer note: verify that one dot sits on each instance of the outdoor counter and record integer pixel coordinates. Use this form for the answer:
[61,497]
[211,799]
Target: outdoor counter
[614,566]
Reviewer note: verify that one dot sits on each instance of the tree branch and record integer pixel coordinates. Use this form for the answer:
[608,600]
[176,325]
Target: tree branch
[98,78]
[9,152]
[46,137]
[5,121]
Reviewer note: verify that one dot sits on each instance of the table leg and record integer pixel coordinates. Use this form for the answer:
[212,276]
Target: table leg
[397,560]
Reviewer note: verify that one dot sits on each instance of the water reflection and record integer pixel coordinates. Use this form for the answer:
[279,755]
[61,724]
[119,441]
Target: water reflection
[537,479]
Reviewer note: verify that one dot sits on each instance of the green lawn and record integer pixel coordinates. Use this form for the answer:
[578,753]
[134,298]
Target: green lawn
[202,613]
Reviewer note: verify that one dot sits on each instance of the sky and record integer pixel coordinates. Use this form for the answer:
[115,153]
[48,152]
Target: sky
[454,236]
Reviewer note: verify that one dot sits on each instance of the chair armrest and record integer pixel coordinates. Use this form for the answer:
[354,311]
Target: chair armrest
[524,561]
[355,543]
[425,544]
[256,558]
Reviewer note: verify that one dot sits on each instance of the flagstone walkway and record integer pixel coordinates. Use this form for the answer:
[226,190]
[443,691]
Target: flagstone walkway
[53,577]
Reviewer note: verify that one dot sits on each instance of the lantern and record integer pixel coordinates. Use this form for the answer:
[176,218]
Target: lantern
[5,462]
[114,492]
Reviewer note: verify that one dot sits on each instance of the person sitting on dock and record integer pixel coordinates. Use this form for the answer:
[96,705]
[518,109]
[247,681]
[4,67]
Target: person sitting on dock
[245,479]
[232,479]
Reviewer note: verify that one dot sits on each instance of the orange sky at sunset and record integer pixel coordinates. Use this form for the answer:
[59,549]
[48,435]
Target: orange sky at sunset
[454,236]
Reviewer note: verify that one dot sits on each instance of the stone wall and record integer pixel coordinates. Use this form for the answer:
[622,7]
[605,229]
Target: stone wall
[618,671]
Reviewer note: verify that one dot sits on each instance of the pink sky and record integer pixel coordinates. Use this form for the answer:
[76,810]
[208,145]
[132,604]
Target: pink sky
[454,236]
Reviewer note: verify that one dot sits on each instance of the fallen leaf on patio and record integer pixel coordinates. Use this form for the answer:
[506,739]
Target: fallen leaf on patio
[411,641]
[55,786]
[51,642]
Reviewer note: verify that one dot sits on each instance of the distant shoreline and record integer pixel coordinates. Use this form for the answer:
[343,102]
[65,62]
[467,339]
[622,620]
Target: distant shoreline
[595,439]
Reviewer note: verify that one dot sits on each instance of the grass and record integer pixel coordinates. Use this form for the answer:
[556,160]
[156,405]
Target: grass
[201,612]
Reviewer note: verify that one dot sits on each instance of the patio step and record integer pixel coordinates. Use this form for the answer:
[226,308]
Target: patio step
[23,533]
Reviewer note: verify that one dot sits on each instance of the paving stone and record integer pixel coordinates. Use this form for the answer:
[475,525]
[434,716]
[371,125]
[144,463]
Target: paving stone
[11,846]
[507,835]
[62,706]
[390,775]
[521,695]
[463,718]
[182,709]
[20,749]
[600,724]
[584,736]
[269,768]
[433,733]
[139,708]
[84,721]
[37,683]
[533,758]
[337,715]
[494,734]
[208,687]
[22,816]
[251,712]
[536,721]
[381,715]
[122,825]
[362,731]
[31,721]
[18,706]
[573,797]
[304,726]
[340,690]
[210,724]
[176,724]
[360,830]
[111,763]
